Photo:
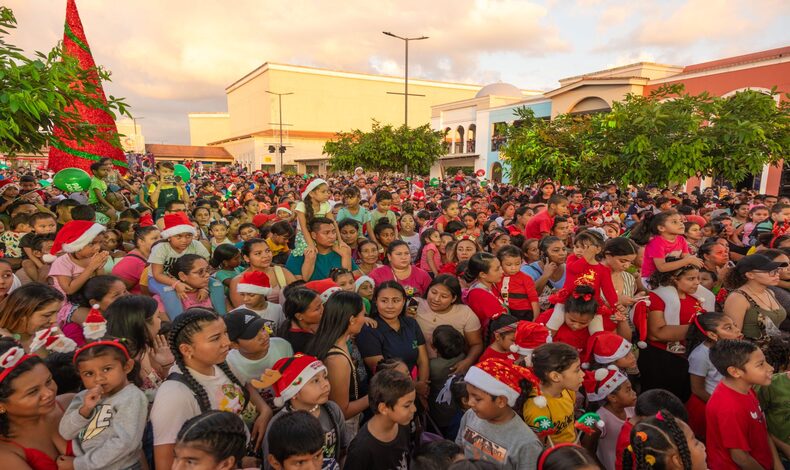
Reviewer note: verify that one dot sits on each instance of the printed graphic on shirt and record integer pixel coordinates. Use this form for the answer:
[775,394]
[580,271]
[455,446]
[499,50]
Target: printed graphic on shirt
[232,398]
[100,420]
[484,448]
[330,444]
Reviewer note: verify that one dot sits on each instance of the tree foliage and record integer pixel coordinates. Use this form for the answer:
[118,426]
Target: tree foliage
[665,137]
[37,93]
[386,148]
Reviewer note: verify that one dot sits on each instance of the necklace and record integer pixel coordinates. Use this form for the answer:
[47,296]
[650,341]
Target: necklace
[313,409]
[769,303]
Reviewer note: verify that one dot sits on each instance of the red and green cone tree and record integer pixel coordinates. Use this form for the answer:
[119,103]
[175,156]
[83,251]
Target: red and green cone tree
[68,153]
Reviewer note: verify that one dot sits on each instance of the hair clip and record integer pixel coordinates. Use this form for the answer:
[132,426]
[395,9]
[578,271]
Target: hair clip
[659,416]
[641,435]
[650,459]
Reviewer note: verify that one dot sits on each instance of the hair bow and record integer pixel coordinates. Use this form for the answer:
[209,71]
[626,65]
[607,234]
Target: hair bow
[587,297]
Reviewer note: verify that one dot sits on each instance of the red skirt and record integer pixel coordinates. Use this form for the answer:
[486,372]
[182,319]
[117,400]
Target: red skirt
[696,409]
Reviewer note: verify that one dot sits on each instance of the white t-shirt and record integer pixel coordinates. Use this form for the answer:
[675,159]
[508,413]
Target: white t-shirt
[272,314]
[700,365]
[414,245]
[175,403]
[165,255]
[245,369]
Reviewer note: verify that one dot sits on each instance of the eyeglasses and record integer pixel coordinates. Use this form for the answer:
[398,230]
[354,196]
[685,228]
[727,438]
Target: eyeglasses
[773,272]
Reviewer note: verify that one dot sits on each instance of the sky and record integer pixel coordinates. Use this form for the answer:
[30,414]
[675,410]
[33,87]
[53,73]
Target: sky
[172,57]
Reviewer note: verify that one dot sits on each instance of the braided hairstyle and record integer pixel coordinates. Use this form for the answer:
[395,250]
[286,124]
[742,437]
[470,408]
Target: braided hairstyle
[653,441]
[220,434]
[182,330]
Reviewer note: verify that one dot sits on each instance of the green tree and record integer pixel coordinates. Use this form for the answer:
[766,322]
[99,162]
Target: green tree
[36,94]
[386,148]
[662,138]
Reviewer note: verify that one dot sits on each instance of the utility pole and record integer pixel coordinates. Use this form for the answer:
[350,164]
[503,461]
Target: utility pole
[405,84]
[280,149]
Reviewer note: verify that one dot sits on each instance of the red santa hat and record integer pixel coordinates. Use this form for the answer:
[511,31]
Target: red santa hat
[606,348]
[146,220]
[289,375]
[311,185]
[285,207]
[74,236]
[502,378]
[639,319]
[254,282]
[94,326]
[603,382]
[324,287]
[529,335]
[177,223]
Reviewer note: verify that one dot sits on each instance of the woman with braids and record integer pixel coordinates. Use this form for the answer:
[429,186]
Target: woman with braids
[213,440]
[664,442]
[29,414]
[199,381]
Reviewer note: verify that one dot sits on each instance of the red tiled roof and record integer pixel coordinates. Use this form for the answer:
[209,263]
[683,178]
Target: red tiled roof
[188,152]
[740,59]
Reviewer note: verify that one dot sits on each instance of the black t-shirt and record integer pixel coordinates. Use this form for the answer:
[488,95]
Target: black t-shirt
[366,452]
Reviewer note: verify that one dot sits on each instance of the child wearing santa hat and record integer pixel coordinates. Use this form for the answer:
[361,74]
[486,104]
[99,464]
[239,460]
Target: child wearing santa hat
[180,235]
[605,348]
[529,335]
[76,257]
[254,287]
[491,430]
[610,389]
[300,383]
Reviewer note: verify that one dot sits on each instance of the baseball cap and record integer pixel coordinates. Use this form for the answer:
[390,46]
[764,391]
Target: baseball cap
[243,323]
[757,262]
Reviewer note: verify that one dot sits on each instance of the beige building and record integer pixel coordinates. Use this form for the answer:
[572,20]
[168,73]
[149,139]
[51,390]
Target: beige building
[321,103]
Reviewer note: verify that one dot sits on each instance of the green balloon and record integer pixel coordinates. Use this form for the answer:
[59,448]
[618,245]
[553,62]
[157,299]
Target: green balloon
[3,166]
[72,180]
[484,183]
[182,171]
[434,182]
[44,183]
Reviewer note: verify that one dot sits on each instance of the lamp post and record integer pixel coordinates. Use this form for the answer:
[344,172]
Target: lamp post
[280,121]
[406,73]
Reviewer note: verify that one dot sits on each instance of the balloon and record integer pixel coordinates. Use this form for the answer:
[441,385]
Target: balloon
[3,166]
[44,183]
[434,182]
[484,183]
[72,180]
[480,173]
[408,178]
[182,171]
[304,177]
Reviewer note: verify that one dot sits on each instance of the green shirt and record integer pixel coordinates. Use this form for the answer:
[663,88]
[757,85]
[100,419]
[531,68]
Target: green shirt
[96,183]
[775,402]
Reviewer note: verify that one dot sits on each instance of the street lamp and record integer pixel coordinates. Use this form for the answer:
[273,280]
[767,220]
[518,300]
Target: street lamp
[406,73]
[280,101]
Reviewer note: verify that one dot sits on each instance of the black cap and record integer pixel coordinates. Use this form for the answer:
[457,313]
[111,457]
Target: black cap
[757,262]
[243,324]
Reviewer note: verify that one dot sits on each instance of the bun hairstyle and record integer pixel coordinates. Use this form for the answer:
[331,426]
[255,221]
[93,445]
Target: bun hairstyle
[220,434]
[582,301]
[183,328]
[478,263]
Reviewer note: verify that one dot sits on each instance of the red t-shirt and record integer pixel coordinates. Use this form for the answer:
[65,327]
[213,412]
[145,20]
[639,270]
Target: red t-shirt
[597,275]
[689,306]
[623,441]
[491,353]
[443,221]
[735,421]
[541,223]
[485,304]
[520,292]
[577,339]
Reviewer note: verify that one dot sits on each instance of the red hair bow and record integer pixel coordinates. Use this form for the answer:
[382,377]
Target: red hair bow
[586,297]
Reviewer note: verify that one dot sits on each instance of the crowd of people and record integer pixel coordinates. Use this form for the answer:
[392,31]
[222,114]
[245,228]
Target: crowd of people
[238,319]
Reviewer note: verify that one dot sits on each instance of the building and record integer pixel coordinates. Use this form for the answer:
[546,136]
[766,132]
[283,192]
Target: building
[207,156]
[317,104]
[596,92]
[131,135]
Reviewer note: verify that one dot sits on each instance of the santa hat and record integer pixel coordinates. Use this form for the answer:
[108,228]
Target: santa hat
[529,335]
[146,220]
[363,279]
[502,378]
[289,375]
[602,382]
[74,236]
[254,282]
[420,184]
[324,287]
[284,207]
[606,347]
[7,184]
[639,318]
[177,223]
[52,340]
[311,185]
[94,326]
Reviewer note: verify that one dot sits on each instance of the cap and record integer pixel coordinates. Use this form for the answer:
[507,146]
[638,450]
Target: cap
[243,323]
[757,262]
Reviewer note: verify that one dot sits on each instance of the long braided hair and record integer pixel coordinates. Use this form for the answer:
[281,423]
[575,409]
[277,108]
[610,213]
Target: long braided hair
[184,328]
[653,441]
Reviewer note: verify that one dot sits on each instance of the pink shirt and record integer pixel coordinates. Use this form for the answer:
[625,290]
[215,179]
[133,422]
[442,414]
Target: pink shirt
[660,247]
[437,258]
[64,266]
[130,268]
[416,284]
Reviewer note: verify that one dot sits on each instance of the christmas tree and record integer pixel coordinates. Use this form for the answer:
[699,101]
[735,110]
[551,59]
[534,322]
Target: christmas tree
[65,153]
